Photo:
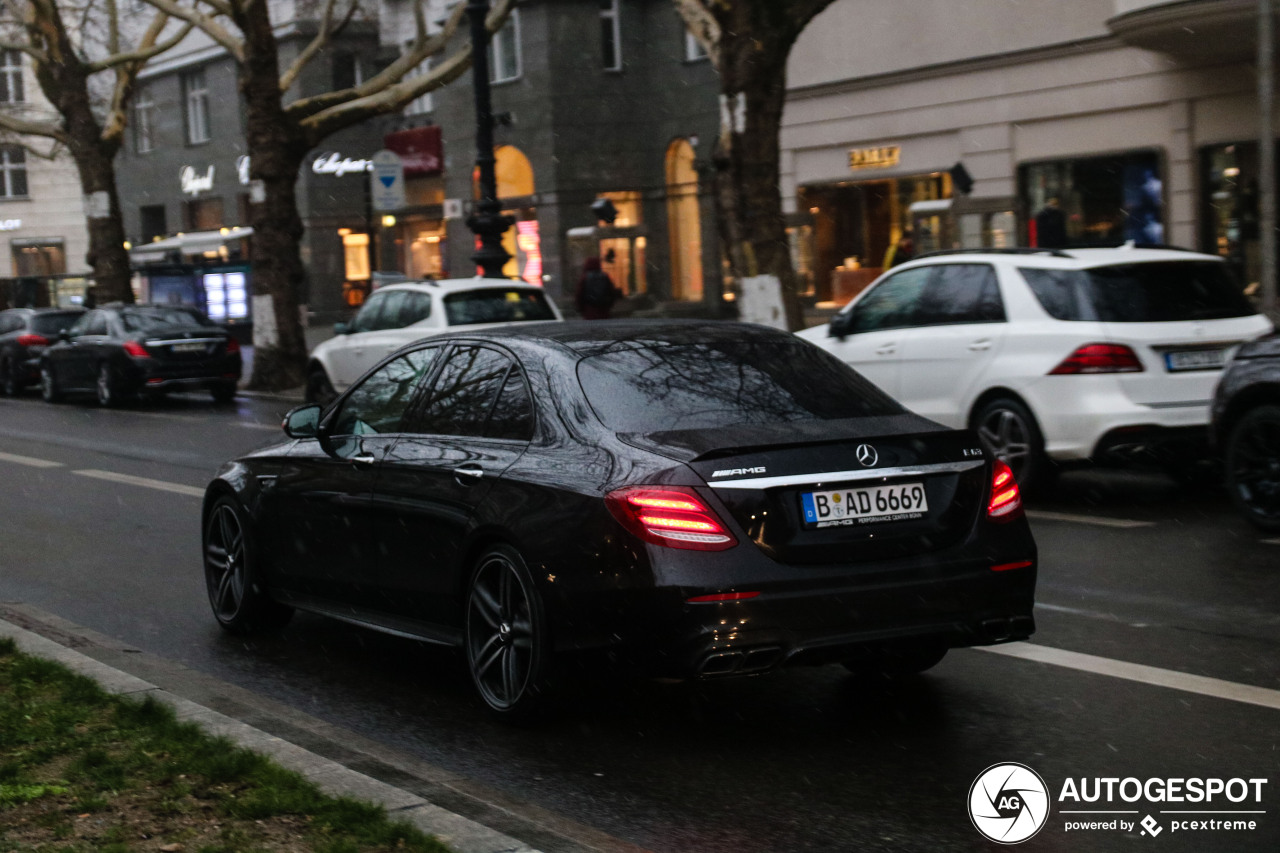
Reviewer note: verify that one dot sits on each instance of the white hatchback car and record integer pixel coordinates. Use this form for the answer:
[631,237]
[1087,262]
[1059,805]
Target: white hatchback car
[399,314]
[1058,355]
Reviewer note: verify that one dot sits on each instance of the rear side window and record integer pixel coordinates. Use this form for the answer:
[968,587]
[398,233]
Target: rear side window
[893,303]
[663,387]
[464,393]
[1165,291]
[51,324]
[496,305]
[961,293]
[415,308]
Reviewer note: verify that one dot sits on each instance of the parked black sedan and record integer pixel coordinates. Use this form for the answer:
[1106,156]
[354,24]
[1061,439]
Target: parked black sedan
[119,351]
[24,335]
[695,499]
[1246,428]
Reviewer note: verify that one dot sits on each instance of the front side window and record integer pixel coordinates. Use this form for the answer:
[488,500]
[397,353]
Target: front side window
[378,405]
[893,303]
[610,35]
[504,50]
[11,89]
[464,393]
[13,167]
[367,320]
[196,94]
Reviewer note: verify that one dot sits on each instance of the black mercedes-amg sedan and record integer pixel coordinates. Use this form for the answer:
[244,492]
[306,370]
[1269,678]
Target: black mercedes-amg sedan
[1246,430]
[693,499]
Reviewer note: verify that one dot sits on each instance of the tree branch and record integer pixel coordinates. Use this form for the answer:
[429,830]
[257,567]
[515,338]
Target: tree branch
[323,37]
[48,130]
[206,24]
[703,25]
[147,49]
[30,51]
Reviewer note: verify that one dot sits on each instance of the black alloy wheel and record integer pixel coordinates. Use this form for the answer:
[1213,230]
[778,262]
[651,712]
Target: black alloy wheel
[505,637]
[1253,467]
[1010,429]
[107,387]
[9,385]
[319,388]
[49,389]
[238,602]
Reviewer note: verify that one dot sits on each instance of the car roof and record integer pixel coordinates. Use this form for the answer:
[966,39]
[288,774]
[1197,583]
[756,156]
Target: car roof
[458,285]
[1067,258]
[589,337]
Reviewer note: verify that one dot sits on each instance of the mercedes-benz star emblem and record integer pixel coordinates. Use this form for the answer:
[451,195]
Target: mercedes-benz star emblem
[867,455]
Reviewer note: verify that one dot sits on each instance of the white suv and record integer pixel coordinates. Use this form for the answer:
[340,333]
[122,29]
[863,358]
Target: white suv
[1051,354]
[399,314]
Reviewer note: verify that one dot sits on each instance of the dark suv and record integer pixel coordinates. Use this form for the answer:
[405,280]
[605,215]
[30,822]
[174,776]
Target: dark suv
[24,335]
[1246,428]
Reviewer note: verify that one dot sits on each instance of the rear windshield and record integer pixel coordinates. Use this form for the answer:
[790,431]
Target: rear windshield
[704,386]
[155,319]
[496,305]
[1140,293]
[51,324]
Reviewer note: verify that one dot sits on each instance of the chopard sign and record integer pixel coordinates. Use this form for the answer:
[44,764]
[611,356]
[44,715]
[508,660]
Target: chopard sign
[193,182]
[334,163]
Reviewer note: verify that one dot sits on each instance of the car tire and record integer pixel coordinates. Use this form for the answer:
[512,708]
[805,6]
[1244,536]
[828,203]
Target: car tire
[9,384]
[236,596]
[899,664]
[505,638]
[107,387]
[223,392]
[1014,436]
[319,388]
[1252,462]
[49,389]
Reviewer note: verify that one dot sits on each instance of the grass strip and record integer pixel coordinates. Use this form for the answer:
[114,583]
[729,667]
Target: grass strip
[82,770]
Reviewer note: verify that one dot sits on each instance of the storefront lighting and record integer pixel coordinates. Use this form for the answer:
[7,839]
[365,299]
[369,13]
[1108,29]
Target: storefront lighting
[342,232]
[388,221]
[641,242]
[127,245]
[224,231]
[1231,171]
[433,238]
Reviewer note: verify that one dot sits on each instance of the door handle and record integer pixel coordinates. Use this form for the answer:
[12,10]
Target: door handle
[364,460]
[887,349]
[469,472]
[979,346]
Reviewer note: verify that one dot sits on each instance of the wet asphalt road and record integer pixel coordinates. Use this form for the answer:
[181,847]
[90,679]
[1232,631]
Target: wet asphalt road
[1133,569]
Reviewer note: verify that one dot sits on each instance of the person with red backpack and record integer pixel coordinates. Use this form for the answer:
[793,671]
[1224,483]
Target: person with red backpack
[596,292]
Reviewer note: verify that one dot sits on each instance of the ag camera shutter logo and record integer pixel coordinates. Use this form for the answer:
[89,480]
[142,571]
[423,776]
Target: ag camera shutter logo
[1008,803]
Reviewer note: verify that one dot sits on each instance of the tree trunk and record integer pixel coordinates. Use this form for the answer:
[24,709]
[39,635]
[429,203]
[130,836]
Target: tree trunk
[107,255]
[276,151]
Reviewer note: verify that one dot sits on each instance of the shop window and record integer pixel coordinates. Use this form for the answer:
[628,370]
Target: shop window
[610,35]
[11,86]
[1102,201]
[226,296]
[684,222]
[693,49]
[195,94]
[48,257]
[347,73]
[203,214]
[144,123]
[355,251]
[504,51]
[1229,207]
[152,220]
[425,258]
[13,169]
[423,103]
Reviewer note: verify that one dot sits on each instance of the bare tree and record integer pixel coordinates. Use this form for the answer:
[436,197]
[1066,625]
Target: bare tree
[279,134]
[90,86]
[748,42]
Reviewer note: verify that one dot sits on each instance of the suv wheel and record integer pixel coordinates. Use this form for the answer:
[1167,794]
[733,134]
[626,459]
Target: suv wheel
[1252,461]
[9,385]
[1010,428]
[49,384]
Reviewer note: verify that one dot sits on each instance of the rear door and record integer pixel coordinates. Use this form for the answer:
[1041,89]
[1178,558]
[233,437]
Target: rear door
[961,328]
[883,319]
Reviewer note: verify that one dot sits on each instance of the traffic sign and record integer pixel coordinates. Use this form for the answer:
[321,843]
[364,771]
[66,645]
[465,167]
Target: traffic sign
[386,181]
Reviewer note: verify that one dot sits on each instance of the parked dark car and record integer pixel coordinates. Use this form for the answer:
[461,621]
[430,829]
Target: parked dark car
[120,351]
[24,335]
[696,499]
[1246,429]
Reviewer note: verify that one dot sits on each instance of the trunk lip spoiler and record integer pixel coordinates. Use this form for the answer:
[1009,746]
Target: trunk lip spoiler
[860,474]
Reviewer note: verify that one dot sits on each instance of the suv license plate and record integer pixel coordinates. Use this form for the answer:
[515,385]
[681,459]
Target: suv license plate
[849,507]
[1196,359]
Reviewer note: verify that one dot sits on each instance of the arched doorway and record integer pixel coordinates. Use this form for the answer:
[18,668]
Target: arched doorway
[514,177]
[684,222]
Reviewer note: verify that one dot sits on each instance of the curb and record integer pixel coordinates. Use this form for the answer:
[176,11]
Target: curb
[460,833]
[293,395]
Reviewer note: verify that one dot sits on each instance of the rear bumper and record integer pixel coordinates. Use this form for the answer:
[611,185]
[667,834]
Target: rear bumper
[156,375]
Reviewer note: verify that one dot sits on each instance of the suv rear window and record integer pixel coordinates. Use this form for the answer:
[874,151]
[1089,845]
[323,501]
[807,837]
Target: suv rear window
[52,323]
[663,387]
[1164,291]
[496,305]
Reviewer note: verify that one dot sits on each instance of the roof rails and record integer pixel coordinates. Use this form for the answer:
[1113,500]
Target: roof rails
[1015,250]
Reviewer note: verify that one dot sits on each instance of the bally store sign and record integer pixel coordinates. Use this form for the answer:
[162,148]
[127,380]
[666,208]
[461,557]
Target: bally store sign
[874,158]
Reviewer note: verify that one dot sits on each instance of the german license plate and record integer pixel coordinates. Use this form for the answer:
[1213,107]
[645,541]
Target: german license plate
[188,347]
[1195,359]
[851,507]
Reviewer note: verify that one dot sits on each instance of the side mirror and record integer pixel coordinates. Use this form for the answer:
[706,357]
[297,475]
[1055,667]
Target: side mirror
[841,325]
[303,422]
[341,329]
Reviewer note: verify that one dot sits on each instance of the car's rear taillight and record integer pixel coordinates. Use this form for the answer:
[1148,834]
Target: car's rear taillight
[233,346]
[30,340]
[1006,499]
[1099,358]
[673,516]
[136,349]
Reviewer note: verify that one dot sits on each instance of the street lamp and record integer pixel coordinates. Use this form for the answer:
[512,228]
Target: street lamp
[487,222]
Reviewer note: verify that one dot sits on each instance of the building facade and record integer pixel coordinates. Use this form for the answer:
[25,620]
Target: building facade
[1138,117]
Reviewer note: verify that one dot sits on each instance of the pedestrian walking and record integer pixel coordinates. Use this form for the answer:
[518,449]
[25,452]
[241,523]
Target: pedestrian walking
[901,251]
[596,292]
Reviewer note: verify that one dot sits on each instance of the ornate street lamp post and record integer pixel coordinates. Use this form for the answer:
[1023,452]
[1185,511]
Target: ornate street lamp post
[487,222]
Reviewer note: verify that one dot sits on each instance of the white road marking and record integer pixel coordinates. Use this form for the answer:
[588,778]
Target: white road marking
[1123,523]
[1186,682]
[145,482]
[1270,541]
[29,461]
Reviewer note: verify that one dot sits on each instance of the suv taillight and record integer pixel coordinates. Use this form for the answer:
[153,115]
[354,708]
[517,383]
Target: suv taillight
[673,516]
[233,346]
[1099,358]
[30,340]
[1006,498]
[136,349]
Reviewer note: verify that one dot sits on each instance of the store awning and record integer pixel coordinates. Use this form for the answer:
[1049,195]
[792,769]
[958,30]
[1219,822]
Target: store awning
[191,243]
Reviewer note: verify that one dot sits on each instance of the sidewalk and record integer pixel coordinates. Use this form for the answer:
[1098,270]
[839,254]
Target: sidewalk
[460,833]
